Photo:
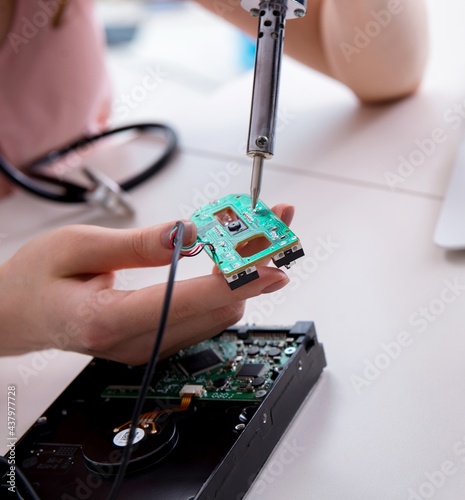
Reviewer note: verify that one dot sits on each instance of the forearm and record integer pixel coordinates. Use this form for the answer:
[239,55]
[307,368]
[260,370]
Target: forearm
[15,339]
[385,63]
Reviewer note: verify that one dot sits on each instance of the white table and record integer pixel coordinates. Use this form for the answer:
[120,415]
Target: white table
[385,421]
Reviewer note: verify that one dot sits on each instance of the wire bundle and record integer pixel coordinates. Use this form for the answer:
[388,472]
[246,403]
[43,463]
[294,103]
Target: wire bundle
[192,250]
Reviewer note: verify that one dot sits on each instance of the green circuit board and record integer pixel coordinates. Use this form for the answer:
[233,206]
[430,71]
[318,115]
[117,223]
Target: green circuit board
[225,225]
[222,368]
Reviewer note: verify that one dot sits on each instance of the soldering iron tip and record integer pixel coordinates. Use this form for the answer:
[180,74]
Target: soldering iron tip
[254,195]
[256,179]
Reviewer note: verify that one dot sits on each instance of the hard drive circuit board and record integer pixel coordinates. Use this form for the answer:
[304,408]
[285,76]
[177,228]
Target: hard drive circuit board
[224,368]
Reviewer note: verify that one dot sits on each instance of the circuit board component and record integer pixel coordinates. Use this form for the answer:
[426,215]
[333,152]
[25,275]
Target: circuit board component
[226,367]
[226,226]
[200,362]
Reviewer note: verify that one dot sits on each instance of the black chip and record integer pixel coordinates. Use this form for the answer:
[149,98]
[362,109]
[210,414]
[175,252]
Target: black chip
[250,370]
[219,382]
[200,362]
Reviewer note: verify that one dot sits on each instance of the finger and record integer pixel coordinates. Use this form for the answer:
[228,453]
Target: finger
[284,212]
[137,310]
[90,249]
[176,337]
[206,326]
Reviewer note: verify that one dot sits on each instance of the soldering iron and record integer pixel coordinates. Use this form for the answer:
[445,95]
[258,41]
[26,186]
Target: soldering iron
[272,15]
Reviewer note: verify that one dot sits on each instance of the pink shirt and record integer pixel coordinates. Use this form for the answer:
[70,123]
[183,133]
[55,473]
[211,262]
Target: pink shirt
[53,84]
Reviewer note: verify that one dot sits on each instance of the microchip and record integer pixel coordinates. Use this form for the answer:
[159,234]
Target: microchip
[250,370]
[200,362]
[219,382]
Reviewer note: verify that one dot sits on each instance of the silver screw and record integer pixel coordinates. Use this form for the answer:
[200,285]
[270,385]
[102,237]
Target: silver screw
[261,141]
[254,12]
[299,13]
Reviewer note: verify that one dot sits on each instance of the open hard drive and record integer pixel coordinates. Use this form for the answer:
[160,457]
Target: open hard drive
[213,414]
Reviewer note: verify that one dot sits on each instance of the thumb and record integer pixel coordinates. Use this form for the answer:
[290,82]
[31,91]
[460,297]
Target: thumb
[93,250]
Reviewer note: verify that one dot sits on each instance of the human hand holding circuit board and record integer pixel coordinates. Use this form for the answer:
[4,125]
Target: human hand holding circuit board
[237,237]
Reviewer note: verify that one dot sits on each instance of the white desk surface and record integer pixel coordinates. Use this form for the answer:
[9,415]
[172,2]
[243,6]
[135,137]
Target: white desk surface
[387,440]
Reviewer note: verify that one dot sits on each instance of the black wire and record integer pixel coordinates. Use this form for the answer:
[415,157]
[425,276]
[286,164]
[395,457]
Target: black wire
[74,193]
[27,485]
[150,369]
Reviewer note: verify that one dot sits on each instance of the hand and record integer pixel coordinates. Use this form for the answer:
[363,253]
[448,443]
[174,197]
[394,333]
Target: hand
[57,291]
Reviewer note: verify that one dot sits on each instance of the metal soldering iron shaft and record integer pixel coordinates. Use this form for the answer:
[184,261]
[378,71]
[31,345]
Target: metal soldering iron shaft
[272,15]
[272,18]
[256,180]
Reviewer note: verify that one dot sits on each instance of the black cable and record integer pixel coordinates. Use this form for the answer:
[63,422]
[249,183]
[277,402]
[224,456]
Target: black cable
[27,485]
[75,193]
[150,369]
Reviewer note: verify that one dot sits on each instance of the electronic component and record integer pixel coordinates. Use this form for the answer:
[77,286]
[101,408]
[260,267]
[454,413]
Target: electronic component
[200,362]
[253,351]
[250,370]
[102,448]
[212,376]
[183,447]
[219,382]
[257,382]
[225,228]
[274,351]
[196,390]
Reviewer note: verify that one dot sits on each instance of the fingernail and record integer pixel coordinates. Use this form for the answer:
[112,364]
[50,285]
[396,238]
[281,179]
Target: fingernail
[190,233]
[277,285]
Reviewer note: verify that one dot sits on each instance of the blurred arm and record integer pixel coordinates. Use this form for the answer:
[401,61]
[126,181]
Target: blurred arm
[378,48]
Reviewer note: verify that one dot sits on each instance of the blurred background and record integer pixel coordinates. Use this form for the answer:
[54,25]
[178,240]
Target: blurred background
[195,48]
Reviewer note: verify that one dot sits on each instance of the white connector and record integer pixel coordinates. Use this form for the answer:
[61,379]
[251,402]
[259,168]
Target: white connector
[196,390]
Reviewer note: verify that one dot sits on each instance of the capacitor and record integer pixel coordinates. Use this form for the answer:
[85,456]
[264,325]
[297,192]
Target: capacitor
[274,351]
